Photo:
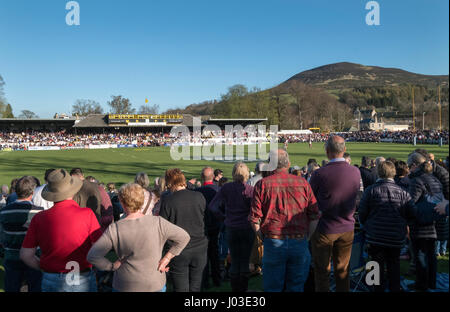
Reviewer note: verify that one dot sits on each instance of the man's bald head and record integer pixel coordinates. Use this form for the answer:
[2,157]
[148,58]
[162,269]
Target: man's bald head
[335,147]
[283,159]
[208,174]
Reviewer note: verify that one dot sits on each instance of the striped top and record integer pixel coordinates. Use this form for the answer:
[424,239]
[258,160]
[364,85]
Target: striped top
[14,221]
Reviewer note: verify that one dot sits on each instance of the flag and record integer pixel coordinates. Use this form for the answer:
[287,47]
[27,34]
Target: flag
[146,100]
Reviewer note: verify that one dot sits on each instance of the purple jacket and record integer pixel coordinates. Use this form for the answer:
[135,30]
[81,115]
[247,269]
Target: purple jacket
[336,186]
[232,203]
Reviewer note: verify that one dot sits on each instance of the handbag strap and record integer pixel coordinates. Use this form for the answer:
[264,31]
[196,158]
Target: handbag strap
[148,203]
[118,241]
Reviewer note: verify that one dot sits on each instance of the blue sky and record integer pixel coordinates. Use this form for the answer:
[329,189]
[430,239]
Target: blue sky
[176,53]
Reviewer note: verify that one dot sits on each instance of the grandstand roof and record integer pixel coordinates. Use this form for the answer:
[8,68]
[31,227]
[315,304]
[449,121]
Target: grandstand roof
[188,120]
[37,119]
[101,121]
[92,121]
[20,124]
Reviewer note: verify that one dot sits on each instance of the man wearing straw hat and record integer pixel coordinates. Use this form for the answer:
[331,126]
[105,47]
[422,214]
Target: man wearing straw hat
[64,234]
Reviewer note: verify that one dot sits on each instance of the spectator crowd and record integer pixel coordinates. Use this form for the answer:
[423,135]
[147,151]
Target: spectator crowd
[290,225]
[405,136]
[63,139]
[24,140]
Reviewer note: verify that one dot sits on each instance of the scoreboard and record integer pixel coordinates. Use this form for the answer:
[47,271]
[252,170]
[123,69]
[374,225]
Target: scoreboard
[145,119]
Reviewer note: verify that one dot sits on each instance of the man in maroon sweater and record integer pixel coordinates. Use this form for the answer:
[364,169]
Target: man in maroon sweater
[335,186]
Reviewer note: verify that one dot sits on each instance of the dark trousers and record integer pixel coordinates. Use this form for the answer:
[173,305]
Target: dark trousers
[213,262]
[186,269]
[16,272]
[240,243]
[426,263]
[388,258]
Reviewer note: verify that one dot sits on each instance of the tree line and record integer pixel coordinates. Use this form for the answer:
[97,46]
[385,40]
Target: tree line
[293,105]
[117,105]
[296,105]
[395,98]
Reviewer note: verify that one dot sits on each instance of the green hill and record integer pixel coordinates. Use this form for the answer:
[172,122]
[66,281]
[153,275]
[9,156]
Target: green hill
[350,75]
[327,96]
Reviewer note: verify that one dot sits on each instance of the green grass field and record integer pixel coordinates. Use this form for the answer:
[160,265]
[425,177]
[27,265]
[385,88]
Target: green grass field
[121,165]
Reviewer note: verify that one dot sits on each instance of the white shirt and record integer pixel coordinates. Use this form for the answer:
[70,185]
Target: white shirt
[253,180]
[337,159]
[39,201]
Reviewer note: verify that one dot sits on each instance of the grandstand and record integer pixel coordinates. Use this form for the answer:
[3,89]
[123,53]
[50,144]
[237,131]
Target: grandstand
[44,124]
[100,123]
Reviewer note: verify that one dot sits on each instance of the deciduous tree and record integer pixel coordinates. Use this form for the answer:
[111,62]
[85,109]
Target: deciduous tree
[86,107]
[120,105]
[27,114]
[149,109]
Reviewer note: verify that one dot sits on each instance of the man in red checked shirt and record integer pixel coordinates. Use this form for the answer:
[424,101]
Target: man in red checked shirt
[64,233]
[284,213]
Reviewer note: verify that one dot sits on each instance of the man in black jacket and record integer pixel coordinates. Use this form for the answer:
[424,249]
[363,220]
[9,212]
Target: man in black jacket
[368,176]
[438,171]
[442,175]
[209,190]
[423,236]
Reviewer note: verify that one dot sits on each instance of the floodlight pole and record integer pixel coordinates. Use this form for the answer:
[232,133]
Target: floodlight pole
[423,120]
[359,120]
[440,108]
[414,112]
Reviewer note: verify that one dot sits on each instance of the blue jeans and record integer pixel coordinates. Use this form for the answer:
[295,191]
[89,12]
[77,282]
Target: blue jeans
[57,282]
[441,247]
[285,265]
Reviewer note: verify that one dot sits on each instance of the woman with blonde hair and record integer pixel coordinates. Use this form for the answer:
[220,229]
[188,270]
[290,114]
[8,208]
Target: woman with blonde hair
[138,241]
[235,198]
[186,209]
